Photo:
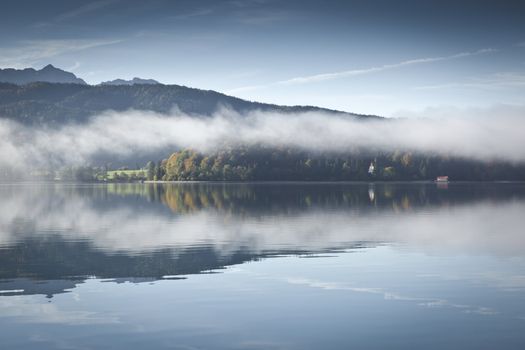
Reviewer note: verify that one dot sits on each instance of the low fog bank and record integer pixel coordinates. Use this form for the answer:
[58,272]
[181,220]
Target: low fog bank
[476,227]
[495,133]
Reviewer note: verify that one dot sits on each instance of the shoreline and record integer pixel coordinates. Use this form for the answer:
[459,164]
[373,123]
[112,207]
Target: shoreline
[266,182]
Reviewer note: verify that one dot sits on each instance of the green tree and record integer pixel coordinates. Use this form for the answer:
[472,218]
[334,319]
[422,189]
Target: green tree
[150,170]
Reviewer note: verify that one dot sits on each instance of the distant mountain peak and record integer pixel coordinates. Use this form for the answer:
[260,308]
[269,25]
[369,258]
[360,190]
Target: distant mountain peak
[50,67]
[49,73]
[134,81]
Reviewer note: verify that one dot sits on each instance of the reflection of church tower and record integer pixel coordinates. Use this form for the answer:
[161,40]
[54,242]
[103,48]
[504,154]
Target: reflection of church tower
[371,193]
[371,168]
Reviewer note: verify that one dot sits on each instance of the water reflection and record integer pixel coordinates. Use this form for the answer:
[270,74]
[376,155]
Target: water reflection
[63,234]
[286,266]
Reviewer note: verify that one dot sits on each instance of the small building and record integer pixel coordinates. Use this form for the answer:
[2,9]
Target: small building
[371,168]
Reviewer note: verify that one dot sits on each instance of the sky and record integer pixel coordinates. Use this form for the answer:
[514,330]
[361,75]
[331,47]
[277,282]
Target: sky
[388,58]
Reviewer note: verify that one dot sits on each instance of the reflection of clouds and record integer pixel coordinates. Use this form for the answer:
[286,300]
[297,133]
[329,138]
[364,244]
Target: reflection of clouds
[481,227]
[505,280]
[31,309]
[11,291]
[420,301]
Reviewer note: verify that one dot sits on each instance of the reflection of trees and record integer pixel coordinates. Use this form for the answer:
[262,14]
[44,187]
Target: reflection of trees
[224,198]
[244,198]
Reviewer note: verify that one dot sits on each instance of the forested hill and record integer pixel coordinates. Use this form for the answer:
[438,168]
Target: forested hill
[44,103]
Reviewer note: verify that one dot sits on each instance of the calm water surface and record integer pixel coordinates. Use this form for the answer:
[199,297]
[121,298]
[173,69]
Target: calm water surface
[262,266]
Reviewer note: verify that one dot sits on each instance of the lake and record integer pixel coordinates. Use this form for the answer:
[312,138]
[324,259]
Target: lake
[262,266]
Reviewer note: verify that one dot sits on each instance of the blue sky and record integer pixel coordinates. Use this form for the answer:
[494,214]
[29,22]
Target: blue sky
[373,57]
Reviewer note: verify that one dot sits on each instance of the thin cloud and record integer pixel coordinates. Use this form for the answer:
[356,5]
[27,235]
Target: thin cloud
[495,81]
[74,67]
[196,13]
[93,6]
[82,10]
[30,52]
[356,72]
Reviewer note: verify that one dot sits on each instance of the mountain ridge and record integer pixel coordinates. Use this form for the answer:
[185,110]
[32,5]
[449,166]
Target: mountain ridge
[49,73]
[27,97]
[54,104]
[134,81]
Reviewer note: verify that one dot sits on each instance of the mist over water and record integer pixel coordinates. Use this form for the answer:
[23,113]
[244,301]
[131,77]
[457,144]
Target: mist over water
[494,133]
[262,218]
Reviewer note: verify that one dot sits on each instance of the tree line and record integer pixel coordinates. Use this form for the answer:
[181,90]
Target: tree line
[259,163]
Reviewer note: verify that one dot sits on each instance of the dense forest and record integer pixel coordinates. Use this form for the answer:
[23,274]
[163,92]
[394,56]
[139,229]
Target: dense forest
[258,163]
[273,164]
